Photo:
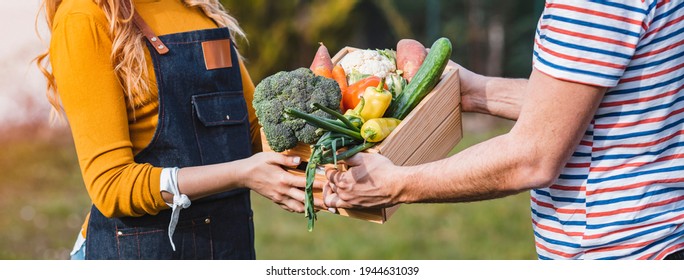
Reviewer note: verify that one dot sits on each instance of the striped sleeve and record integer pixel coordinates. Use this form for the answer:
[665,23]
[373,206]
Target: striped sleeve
[589,41]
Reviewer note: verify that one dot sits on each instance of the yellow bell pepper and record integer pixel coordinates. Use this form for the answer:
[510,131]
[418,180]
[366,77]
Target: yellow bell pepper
[376,100]
[354,118]
[378,129]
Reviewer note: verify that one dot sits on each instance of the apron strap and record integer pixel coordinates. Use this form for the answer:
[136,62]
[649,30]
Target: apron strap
[139,22]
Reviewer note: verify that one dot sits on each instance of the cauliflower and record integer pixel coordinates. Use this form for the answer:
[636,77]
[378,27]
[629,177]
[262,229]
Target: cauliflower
[368,62]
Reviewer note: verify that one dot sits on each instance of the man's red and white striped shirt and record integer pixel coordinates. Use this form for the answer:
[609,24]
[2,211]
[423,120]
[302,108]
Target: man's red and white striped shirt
[621,195]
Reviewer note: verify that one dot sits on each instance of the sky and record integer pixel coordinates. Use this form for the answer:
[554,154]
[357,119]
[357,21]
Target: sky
[20,80]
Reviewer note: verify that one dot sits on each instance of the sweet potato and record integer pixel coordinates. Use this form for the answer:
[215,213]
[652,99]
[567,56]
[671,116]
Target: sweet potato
[410,55]
[322,63]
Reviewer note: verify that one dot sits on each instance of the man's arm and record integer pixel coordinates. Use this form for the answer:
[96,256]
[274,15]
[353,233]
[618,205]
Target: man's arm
[553,118]
[494,96]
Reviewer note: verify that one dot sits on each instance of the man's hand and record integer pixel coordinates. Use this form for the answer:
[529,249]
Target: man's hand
[370,181]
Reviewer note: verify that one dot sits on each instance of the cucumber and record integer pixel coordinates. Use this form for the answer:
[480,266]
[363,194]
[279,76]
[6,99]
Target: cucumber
[424,81]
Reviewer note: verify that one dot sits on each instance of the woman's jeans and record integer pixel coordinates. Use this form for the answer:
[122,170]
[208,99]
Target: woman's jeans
[78,253]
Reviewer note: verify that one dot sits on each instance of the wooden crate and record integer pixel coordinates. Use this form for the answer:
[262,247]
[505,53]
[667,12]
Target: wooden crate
[427,134]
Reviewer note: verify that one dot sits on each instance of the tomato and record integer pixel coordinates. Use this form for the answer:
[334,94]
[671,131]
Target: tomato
[352,95]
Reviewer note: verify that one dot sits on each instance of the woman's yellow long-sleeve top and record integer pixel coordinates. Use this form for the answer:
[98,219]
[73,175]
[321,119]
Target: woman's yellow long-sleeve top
[107,132]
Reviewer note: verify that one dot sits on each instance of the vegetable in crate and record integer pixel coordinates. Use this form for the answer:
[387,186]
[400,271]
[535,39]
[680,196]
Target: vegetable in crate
[340,77]
[322,64]
[354,117]
[364,66]
[375,102]
[410,56]
[352,95]
[344,132]
[298,89]
[378,129]
[424,81]
[363,63]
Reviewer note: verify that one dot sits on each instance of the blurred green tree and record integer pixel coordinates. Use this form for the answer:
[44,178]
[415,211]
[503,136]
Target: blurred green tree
[284,35]
[490,37]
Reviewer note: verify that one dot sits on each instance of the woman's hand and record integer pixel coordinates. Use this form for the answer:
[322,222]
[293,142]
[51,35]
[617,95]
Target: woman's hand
[264,174]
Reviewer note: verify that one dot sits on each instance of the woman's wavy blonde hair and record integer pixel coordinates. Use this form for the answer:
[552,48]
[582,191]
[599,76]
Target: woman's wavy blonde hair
[128,50]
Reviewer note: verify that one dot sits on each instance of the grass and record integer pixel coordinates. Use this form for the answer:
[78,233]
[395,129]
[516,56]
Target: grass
[43,203]
[42,198]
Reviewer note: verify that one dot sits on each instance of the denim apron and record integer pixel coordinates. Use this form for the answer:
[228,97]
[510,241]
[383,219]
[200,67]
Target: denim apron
[203,120]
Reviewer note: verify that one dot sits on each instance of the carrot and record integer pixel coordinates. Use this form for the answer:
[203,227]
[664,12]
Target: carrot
[322,63]
[339,76]
[410,55]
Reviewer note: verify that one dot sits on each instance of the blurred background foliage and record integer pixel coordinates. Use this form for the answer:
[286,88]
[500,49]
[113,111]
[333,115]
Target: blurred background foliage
[43,201]
[492,37]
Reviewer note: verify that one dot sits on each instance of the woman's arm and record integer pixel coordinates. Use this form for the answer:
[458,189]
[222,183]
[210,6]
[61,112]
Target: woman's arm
[262,173]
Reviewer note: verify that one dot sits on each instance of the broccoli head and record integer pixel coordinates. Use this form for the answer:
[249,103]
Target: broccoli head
[297,89]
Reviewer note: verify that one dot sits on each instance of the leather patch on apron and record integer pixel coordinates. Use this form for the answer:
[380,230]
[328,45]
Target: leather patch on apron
[217,54]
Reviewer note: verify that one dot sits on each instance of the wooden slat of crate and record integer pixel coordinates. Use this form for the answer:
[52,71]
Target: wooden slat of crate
[438,108]
[443,139]
[375,215]
[339,55]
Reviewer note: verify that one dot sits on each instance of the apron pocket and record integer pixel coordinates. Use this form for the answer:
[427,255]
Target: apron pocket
[222,121]
[192,238]
[220,108]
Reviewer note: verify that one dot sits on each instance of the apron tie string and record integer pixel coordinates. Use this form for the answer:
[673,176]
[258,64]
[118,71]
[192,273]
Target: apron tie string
[169,183]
